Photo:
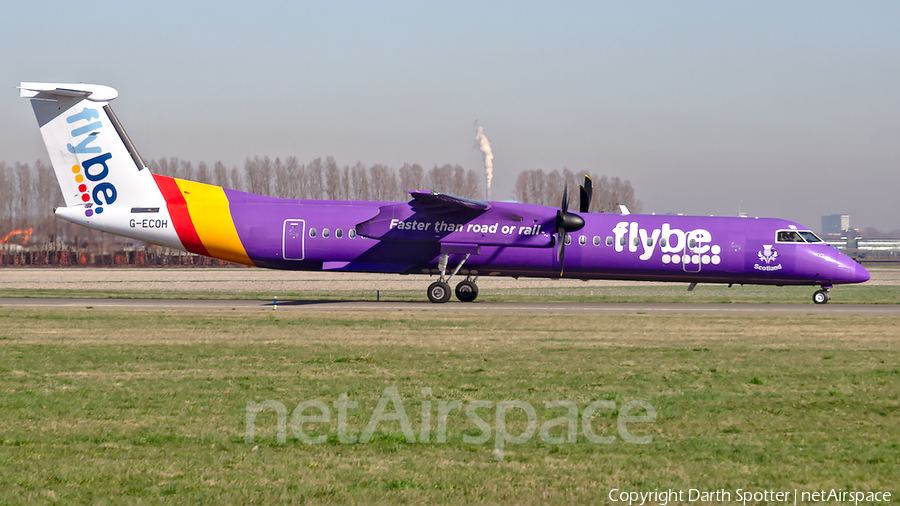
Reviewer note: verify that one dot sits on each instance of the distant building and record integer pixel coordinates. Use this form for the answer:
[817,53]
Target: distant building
[835,224]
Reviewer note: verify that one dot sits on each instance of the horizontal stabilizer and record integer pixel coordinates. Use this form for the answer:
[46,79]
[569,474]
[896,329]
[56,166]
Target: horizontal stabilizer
[92,92]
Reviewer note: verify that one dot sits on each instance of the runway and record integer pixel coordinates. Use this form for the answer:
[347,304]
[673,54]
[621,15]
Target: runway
[830,309]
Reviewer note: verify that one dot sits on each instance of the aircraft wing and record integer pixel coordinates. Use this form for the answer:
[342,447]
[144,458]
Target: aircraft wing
[428,217]
[432,217]
[441,203]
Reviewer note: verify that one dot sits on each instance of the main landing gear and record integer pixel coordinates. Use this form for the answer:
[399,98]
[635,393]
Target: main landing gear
[439,291]
[822,296]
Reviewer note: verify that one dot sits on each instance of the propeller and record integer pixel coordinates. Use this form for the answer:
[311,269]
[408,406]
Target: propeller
[587,191]
[565,222]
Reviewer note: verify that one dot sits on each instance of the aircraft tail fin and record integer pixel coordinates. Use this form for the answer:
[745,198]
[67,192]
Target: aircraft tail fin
[95,162]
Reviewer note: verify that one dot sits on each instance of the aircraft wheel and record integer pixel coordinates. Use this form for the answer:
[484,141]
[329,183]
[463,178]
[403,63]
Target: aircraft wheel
[439,292]
[820,297]
[466,291]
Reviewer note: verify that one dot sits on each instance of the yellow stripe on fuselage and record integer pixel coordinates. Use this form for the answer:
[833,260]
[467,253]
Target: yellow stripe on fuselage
[211,215]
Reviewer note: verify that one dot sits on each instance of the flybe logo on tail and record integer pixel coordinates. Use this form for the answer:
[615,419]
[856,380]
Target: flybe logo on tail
[94,170]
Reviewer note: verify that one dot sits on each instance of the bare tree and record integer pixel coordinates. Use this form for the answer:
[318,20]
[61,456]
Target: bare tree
[277,184]
[384,182]
[203,173]
[553,188]
[23,171]
[294,172]
[237,179]
[471,187]
[334,187]
[348,184]
[314,172]
[221,174]
[610,193]
[360,180]
[267,170]
[521,189]
[440,179]
[49,196]
[7,184]
[281,180]
[185,170]
[28,192]
[537,187]
[259,174]
[459,181]
[251,175]
[160,167]
[412,177]
[454,180]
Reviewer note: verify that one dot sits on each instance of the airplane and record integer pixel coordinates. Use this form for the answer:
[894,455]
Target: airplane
[107,187]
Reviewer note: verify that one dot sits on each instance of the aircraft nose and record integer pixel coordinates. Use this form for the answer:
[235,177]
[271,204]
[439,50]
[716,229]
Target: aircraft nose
[849,270]
[861,274]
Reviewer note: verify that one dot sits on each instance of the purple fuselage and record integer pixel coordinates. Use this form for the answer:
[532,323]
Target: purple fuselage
[511,239]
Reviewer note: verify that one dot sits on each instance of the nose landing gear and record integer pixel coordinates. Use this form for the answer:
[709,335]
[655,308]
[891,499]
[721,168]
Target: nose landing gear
[439,291]
[822,296]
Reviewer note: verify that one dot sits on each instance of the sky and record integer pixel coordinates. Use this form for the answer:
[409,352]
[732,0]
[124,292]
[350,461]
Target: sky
[786,109]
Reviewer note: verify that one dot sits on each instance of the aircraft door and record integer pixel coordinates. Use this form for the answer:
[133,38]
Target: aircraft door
[690,260]
[292,241]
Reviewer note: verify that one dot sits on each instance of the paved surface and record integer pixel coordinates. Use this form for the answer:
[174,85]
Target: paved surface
[476,307]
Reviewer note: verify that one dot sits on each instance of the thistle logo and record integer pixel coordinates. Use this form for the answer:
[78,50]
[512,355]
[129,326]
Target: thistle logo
[93,170]
[767,255]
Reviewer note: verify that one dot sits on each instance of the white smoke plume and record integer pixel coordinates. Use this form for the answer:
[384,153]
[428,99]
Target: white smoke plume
[484,145]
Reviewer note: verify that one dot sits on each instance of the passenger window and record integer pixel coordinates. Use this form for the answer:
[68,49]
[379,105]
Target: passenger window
[637,241]
[609,240]
[339,233]
[325,233]
[568,239]
[312,232]
[623,241]
[596,240]
[662,242]
[649,242]
[352,233]
[582,240]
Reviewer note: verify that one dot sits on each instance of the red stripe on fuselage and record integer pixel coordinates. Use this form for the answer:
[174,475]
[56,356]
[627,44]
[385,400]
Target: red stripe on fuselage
[178,211]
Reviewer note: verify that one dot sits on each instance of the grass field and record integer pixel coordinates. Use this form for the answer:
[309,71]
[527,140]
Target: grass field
[259,284]
[662,293]
[860,294]
[131,407]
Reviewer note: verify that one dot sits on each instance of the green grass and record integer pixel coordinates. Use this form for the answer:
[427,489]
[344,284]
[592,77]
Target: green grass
[676,292]
[150,406]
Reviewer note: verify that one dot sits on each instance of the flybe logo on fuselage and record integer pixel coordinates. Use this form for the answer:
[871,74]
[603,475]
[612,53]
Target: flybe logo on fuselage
[93,170]
[677,246]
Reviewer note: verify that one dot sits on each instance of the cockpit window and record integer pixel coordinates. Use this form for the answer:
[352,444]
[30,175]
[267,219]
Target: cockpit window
[789,236]
[797,236]
[809,236]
